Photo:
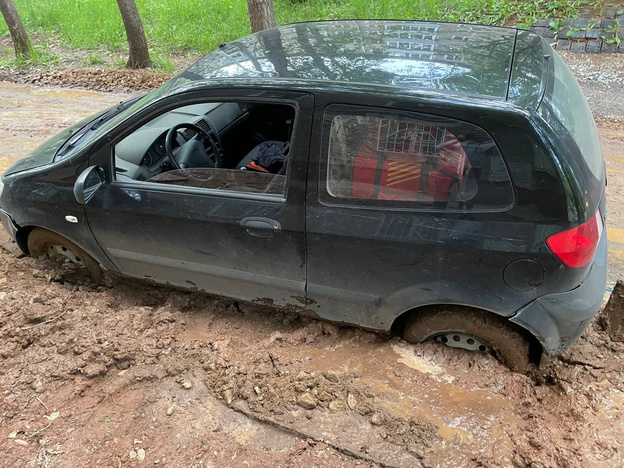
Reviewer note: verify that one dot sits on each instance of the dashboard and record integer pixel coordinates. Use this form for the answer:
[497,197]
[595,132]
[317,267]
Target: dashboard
[141,154]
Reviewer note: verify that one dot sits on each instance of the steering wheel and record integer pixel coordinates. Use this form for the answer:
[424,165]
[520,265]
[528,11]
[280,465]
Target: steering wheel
[193,153]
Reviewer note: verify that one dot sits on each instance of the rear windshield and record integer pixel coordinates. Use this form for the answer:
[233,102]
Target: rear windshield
[565,105]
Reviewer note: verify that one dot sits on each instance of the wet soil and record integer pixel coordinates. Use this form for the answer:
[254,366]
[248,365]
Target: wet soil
[132,374]
[30,115]
[108,375]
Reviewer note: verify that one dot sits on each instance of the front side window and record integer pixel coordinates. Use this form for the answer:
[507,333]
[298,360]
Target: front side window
[228,146]
[392,158]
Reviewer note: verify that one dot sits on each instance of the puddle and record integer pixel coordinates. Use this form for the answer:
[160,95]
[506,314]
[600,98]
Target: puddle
[410,384]
[410,359]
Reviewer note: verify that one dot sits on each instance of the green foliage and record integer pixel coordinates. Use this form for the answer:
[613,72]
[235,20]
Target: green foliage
[94,59]
[163,64]
[40,54]
[200,25]
[611,34]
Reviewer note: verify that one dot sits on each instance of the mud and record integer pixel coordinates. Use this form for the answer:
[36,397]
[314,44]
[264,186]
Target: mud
[97,79]
[189,378]
[613,319]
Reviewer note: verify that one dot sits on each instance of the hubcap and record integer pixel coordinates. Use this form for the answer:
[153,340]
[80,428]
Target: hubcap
[462,341]
[62,253]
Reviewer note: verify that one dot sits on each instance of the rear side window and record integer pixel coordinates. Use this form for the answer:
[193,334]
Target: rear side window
[401,159]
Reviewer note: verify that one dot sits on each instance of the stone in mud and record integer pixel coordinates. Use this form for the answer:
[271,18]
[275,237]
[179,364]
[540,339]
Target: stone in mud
[228,397]
[352,401]
[332,376]
[306,401]
[613,314]
[93,370]
[302,375]
[276,336]
[336,405]
[37,312]
[377,419]
[329,329]
[416,451]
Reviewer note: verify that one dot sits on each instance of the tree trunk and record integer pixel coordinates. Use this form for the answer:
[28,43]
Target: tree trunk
[261,14]
[139,54]
[16,28]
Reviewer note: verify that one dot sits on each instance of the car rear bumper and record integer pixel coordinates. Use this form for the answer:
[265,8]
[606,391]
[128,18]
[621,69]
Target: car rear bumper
[557,320]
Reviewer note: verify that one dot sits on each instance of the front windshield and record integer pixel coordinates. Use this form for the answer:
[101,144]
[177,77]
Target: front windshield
[96,126]
[95,131]
[114,121]
[141,103]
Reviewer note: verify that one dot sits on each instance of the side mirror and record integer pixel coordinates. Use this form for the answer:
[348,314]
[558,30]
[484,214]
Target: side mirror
[88,183]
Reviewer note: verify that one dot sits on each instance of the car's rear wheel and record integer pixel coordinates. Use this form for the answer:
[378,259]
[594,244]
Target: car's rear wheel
[472,330]
[48,244]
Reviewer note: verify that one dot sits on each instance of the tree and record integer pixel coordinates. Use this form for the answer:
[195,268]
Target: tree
[139,53]
[261,14]
[21,43]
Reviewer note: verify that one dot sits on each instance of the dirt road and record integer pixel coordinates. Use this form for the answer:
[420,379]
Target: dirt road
[130,374]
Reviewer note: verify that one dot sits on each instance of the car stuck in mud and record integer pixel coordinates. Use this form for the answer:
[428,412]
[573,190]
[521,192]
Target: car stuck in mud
[440,181]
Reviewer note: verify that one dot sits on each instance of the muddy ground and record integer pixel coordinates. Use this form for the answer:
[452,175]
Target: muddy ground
[131,374]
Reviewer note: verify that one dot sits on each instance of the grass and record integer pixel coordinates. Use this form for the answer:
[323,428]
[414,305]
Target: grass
[199,25]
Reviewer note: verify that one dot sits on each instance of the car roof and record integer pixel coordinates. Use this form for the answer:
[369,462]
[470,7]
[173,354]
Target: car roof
[428,57]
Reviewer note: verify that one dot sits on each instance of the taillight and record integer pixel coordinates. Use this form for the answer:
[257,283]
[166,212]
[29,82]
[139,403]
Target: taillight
[576,247]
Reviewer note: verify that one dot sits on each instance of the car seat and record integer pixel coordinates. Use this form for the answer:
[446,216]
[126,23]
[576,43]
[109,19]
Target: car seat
[419,163]
[250,161]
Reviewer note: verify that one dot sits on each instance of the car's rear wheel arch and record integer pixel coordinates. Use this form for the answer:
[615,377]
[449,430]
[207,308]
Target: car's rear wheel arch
[420,317]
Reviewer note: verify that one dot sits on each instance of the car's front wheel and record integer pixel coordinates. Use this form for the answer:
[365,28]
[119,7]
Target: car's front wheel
[472,330]
[44,243]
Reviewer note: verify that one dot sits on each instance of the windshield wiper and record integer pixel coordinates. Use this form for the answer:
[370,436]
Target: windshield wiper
[93,125]
[111,113]
[102,118]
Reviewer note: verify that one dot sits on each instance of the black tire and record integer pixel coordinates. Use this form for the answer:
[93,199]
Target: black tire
[40,240]
[509,345]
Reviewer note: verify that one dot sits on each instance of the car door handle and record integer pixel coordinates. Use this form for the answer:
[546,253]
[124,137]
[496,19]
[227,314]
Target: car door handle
[260,227]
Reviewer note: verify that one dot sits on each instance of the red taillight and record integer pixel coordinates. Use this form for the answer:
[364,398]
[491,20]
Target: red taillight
[576,247]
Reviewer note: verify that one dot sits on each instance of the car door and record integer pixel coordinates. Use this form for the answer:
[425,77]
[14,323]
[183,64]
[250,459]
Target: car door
[399,215]
[248,246]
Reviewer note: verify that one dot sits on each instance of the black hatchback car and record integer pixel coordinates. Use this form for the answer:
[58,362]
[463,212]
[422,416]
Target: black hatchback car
[441,181]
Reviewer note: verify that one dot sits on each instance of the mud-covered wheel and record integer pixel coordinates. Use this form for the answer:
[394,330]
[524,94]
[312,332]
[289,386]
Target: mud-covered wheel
[472,330]
[44,243]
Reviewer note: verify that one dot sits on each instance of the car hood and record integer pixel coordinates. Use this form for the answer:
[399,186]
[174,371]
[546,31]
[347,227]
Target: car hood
[44,154]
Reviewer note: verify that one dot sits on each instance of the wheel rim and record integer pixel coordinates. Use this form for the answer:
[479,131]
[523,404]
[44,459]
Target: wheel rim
[64,254]
[462,341]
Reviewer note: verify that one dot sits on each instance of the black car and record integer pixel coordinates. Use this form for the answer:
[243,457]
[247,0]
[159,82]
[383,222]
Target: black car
[440,181]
